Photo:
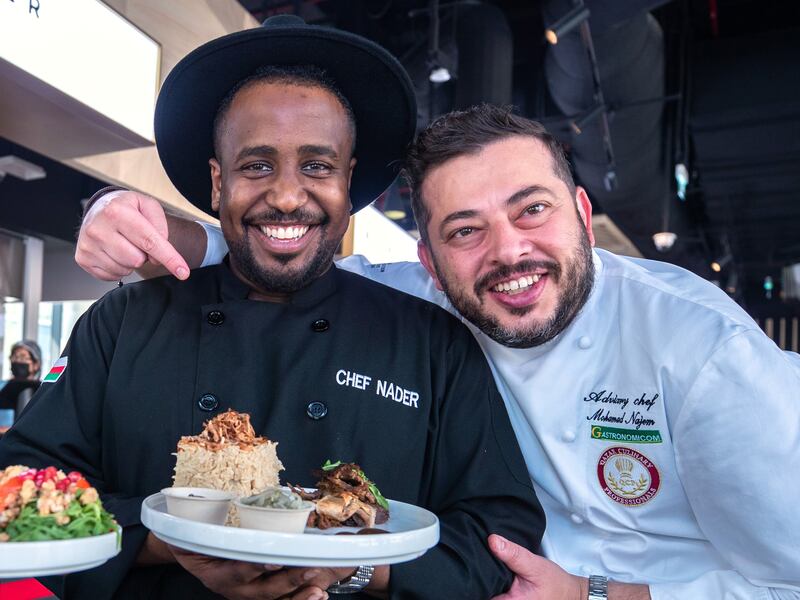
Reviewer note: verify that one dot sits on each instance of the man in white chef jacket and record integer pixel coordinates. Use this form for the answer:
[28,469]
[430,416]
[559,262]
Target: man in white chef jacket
[660,426]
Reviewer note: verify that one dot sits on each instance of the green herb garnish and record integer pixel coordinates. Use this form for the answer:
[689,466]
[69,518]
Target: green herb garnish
[329,466]
[378,496]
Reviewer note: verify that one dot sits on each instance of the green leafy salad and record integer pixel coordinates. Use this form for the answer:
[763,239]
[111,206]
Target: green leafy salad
[48,504]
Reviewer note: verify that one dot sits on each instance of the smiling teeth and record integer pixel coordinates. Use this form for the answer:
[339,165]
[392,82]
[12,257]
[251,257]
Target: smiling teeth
[284,233]
[516,285]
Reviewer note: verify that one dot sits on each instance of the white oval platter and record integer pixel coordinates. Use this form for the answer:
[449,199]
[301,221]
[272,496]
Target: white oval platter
[412,531]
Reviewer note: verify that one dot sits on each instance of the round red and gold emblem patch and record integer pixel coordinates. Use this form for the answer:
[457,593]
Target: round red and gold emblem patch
[627,476]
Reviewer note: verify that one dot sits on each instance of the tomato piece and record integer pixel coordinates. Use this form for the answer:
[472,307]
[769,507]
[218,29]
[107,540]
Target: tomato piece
[82,483]
[9,489]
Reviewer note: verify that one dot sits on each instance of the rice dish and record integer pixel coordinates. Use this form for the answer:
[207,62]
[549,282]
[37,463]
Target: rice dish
[228,456]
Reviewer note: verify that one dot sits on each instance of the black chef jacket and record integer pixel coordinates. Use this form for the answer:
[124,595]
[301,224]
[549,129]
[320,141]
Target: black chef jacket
[10,392]
[154,360]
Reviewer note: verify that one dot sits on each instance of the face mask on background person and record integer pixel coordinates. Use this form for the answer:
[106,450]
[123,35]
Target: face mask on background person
[20,370]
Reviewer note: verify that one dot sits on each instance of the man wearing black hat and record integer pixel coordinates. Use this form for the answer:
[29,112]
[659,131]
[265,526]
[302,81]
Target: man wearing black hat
[315,355]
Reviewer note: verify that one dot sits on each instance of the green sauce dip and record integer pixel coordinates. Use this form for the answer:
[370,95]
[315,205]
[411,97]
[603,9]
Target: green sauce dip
[275,498]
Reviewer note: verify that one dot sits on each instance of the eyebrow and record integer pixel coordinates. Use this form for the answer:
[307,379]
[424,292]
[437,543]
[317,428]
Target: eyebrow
[317,149]
[513,199]
[517,197]
[248,151]
[264,150]
[456,216]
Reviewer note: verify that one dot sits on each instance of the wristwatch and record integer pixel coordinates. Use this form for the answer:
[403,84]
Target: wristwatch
[598,587]
[355,583]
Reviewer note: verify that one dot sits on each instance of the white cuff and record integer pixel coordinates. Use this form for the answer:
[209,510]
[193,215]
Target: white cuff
[216,247]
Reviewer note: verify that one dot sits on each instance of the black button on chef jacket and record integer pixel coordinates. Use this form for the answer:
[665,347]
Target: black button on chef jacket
[406,391]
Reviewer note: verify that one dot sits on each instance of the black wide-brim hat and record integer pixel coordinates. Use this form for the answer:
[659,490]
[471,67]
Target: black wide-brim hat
[373,81]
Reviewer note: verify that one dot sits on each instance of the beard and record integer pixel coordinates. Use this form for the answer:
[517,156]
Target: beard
[577,278]
[287,279]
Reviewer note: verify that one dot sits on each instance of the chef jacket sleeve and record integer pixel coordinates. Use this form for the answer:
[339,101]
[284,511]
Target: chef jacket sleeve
[216,246]
[61,426]
[476,482]
[737,449]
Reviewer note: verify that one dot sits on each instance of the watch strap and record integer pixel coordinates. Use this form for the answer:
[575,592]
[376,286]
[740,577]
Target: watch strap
[357,581]
[598,587]
[99,194]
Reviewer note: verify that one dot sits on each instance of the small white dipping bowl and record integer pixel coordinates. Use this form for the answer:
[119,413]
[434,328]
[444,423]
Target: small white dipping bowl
[198,504]
[283,520]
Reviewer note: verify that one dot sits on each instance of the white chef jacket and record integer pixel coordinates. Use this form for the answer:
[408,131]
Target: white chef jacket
[661,430]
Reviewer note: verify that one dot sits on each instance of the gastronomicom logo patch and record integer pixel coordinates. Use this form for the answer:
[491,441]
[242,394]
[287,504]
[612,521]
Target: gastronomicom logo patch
[629,436]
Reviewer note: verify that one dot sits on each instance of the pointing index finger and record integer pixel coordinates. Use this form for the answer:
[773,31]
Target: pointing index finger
[145,236]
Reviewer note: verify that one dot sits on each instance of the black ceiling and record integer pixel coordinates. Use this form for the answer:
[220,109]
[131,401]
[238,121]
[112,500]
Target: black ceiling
[729,109]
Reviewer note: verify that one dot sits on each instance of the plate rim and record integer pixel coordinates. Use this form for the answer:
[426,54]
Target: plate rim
[154,517]
[64,560]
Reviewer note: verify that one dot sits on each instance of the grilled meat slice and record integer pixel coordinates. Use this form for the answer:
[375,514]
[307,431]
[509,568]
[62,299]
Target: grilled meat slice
[346,510]
[343,499]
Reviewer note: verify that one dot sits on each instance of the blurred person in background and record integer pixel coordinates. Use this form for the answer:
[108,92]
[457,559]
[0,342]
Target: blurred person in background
[26,366]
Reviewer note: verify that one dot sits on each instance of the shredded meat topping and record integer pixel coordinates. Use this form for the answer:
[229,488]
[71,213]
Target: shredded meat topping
[230,427]
[342,498]
[346,478]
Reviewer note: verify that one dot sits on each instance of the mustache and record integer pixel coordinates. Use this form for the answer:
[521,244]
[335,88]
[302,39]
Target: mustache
[504,272]
[301,216]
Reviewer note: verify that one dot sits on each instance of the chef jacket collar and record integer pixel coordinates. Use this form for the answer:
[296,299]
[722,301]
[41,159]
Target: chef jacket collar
[233,288]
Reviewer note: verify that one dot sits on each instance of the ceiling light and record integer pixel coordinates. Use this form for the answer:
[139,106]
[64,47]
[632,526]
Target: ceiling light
[664,240]
[718,265]
[394,207]
[733,283]
[566,23]
[578,125]
[681,179]
[395,215]
[27,171]
[769,285]
[439,75]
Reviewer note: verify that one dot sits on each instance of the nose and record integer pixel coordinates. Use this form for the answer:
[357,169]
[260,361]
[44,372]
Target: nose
[287,193]
[508,245]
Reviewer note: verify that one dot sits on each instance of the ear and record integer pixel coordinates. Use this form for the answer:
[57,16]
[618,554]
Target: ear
[216,183]
[349,181]
[584,206]
[426,258]
[350,174]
